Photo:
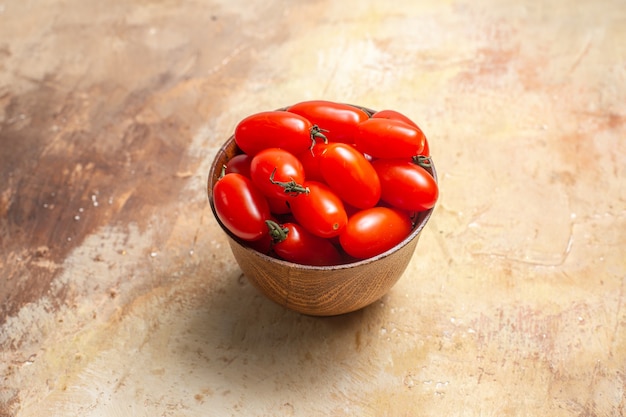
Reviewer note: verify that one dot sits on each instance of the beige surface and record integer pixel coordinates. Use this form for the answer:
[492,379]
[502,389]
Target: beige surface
[119,294]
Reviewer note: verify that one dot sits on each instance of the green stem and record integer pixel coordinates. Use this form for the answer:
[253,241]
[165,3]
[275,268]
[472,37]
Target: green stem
[277,232]
[316,133]
[290,187]
[423,161]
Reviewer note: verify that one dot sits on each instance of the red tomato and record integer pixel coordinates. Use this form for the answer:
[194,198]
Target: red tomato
[406,185]
[350,175]
[276,129]
[239,163]
[240,206]
[311,161]
[389,138]
[294,243]
[278,205]
[276,173]
[392,114]
[320,211]
[262,245]
[373,231]
[338,120]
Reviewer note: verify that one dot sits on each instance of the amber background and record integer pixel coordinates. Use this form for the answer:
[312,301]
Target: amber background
[118,293]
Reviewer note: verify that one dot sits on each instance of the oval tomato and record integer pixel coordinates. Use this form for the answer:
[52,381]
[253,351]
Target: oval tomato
[373,231]
[406,185]
[396,115]
[350,175]
[393,114]
[311,161]
[276,129]
[294,243]
[339,121]
[389,138]
[320,210]
[277,173]
[240,206]
[278,205]
[240,164]
[262,245]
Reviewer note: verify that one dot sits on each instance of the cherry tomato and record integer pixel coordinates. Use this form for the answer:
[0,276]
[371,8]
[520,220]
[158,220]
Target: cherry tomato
[389,138]
[239,163]
[276,173]
[240,206]
[278,205]
[350,175]
[338,120]
[406,185]
[393,114]
[276,129]
[294,243]
[262,245]
[311,161]
[320,210]
[373,231]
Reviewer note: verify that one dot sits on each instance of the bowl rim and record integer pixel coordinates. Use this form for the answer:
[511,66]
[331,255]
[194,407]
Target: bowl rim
[423,217]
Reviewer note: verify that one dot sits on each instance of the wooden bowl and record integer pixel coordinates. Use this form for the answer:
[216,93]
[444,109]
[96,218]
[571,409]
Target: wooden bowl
[318,290]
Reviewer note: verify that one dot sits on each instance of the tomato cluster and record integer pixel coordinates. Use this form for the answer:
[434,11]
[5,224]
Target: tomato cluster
[325,183]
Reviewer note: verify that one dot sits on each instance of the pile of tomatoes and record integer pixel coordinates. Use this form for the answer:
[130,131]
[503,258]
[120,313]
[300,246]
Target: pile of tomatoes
[325,183]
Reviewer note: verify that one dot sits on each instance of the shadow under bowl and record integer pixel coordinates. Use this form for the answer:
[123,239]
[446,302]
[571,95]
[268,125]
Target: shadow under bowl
[318,290]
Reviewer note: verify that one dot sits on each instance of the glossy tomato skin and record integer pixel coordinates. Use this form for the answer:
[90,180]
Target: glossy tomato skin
[338,120]
[262,245]
[350,175]
[373,231]
[274,129]
[393,114]
[273,165]
[311,161]
[406,185]
[389,138]
[302,247]
[278,205]
[396,115]
[320,211]
[240,164]
[240,206]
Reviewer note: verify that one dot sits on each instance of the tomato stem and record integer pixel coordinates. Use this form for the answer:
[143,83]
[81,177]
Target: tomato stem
[277,232]
[423,161]
[316,133]
[290,187]
[222,172]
